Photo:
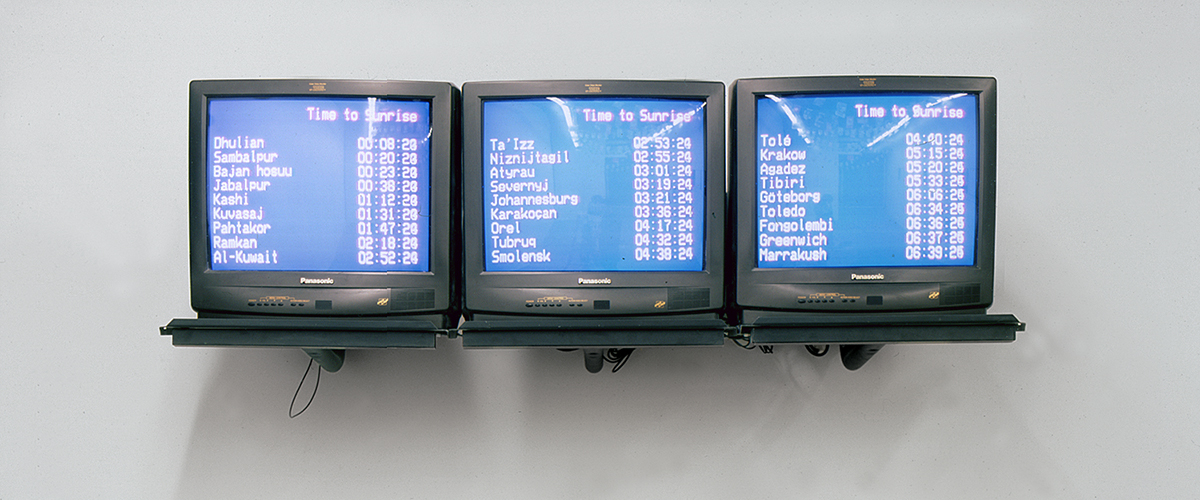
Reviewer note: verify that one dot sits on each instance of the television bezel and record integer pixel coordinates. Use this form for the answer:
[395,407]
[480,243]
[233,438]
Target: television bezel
[755,288]
[216,293]
[485,292]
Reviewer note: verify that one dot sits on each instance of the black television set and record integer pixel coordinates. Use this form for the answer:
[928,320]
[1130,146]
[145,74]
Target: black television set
[862,195]
[593,198]
[314,198]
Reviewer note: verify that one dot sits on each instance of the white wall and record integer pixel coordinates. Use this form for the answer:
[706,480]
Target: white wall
[1099,210]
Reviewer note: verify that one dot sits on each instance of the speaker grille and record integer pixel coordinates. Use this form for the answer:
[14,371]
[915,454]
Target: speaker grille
[407,299]
[687,298]
[951,295]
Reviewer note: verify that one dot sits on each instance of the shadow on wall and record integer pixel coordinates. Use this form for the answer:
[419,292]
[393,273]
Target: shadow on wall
[700,422]
[384,415]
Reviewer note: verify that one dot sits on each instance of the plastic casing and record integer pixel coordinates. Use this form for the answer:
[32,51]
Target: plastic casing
[630,293]
[918,288]
[219,293]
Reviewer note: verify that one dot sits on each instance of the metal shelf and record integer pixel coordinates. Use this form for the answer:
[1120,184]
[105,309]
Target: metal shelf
[325,339]
[885,328]
[578,333]
[860,335]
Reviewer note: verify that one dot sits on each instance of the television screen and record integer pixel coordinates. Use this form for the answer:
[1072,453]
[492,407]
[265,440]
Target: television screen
[322,198]
[880,180]
[594,184]
[593,197]
[318,184]
[864,193]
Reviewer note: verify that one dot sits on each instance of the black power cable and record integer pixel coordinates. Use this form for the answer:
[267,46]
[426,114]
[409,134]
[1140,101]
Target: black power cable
[292,413]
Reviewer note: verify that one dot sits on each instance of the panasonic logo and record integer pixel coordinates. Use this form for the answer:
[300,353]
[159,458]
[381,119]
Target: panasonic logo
[318,281]
[595,281]
[866,276]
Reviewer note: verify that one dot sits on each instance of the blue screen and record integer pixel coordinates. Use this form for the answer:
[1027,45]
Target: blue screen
[318,184]
[593,184]
[866,180]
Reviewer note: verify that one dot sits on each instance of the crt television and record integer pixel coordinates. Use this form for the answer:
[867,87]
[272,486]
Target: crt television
[593,197]
[322,197]
[859,194]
